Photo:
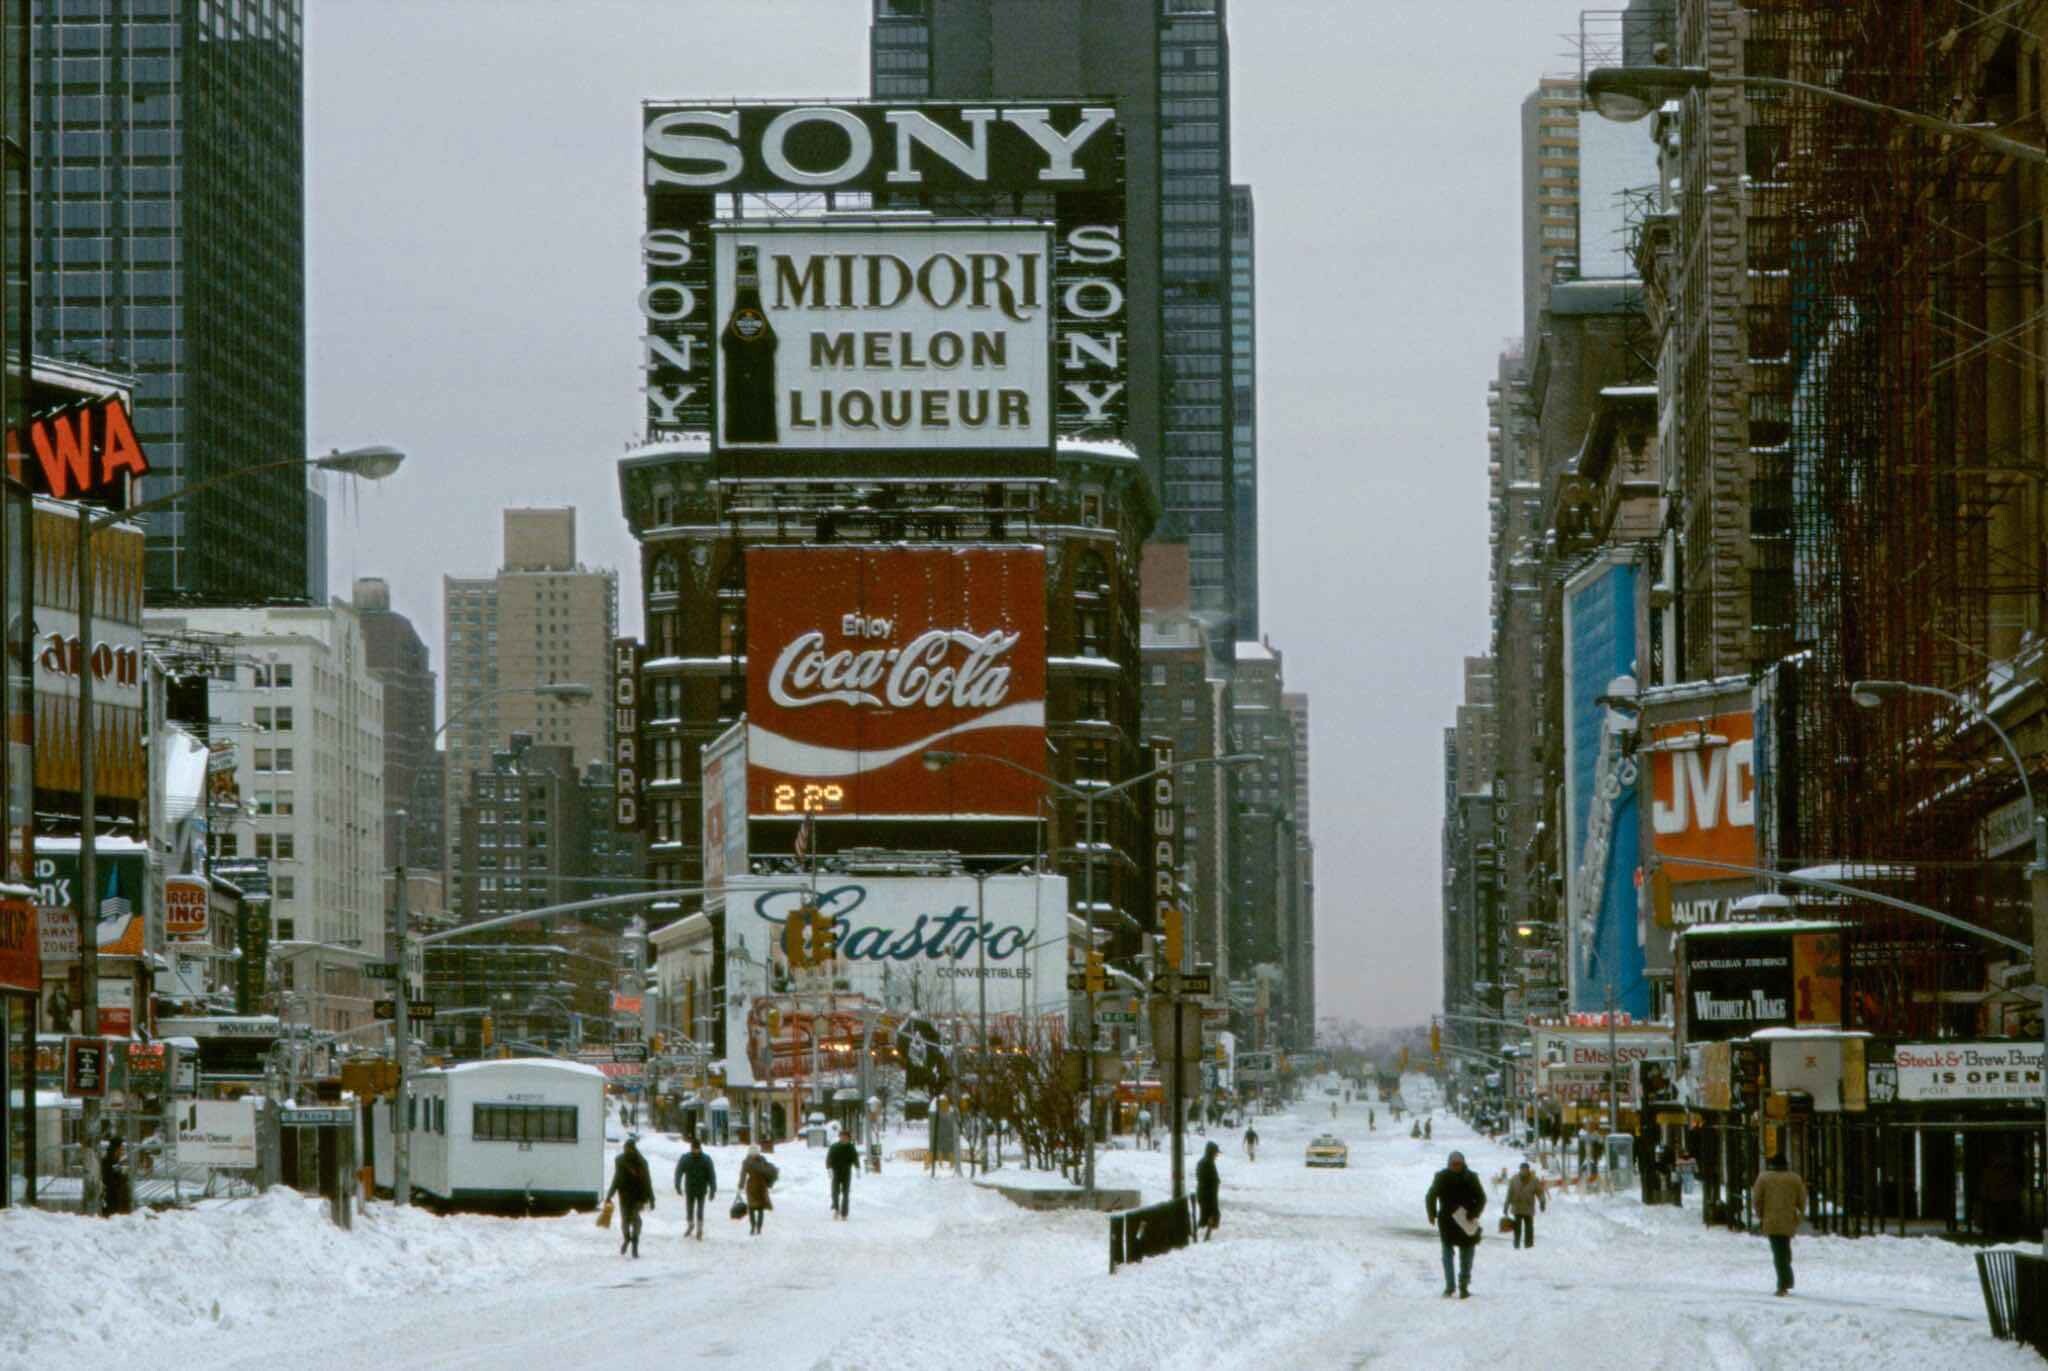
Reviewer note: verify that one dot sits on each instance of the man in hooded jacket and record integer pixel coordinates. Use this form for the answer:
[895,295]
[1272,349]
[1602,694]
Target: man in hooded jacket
[1455,1201]
[634,1186]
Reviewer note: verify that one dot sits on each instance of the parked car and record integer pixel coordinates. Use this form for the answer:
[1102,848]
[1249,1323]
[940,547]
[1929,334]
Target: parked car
[1328,1150]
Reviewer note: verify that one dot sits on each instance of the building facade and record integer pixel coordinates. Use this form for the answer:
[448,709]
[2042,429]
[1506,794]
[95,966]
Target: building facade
[543,619]
[402,663]
[296,694]
[169,242]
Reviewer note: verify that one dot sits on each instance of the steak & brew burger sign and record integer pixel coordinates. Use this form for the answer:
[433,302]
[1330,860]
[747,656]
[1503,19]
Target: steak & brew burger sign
[859,659]
[1969,1071]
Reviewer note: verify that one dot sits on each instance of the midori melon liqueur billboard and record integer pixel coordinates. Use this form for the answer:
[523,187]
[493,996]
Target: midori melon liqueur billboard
[800,999]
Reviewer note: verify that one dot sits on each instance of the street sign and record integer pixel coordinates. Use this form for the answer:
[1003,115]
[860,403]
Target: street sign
[629,1052]
[1109,1017]
[316,1118]
[381,971]
[85,1068]
[416,1009]
[1191,983]
[1162,1011]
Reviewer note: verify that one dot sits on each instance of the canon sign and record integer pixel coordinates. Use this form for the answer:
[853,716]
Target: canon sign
[862,658]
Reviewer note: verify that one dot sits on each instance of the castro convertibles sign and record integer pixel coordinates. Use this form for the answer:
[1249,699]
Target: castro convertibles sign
[1969,1071]
[958,340]
[859,659]
[883,336]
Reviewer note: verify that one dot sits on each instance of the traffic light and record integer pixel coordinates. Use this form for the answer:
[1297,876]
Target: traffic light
[793,930]
[654,1045]
[1096,978]
[1174,922]
[774,1021]
[487,1031]
[824,946]
[1404,1059]
[1436,1040]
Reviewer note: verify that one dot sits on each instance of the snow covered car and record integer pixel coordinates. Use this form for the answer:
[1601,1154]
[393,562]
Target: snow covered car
[1328,1150]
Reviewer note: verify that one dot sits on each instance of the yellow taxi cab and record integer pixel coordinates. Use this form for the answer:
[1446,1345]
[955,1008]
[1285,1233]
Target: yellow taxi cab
[1328,1150]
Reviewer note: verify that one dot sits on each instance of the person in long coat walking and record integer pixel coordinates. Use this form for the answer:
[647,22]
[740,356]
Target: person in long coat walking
[757,1177]
[1208,1192]
[1779,1196]
[117,1196]
[635,1189]
[1455,1201]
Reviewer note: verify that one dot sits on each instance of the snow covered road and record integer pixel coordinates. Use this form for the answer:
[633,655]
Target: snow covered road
[1312,1269]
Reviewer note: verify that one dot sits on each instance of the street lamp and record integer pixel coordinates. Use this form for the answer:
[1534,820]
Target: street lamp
[1872,695]
[371,464]
[938,759]
[1626,94]
[401,918]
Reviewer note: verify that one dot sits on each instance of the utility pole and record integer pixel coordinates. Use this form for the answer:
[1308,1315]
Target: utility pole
[401,1036]
[88,866]
[1613,1112]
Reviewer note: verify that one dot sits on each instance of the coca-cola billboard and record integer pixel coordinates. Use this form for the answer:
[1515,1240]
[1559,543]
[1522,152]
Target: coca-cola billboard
[860,659]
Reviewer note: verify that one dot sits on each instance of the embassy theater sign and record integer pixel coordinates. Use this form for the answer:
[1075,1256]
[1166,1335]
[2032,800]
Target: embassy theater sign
[822,318]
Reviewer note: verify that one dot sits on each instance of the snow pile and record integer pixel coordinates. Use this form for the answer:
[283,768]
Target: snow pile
[229,1265]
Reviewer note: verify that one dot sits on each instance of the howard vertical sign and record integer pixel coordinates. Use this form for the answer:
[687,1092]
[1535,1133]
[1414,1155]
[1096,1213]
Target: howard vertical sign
[710,313]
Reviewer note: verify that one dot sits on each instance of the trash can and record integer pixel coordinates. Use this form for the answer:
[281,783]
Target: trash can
[1998,1273]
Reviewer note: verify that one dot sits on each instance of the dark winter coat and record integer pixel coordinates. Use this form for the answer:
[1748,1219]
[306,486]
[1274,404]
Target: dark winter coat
[1208,1189]
[695,1175]
[116,1197]
[757,1176]
[841,1158]
[1450,1192]
[631,1182]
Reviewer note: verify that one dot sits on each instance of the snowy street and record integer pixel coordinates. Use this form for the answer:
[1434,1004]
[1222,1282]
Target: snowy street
[1327,1268]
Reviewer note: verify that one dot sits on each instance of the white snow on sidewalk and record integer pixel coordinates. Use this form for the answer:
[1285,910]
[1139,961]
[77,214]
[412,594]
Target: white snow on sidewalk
[1311,1269]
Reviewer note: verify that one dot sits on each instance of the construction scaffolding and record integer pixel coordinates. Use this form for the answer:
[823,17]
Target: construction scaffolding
[1893,437]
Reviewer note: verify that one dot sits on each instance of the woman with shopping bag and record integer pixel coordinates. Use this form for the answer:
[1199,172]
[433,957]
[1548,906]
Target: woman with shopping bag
[757,1177]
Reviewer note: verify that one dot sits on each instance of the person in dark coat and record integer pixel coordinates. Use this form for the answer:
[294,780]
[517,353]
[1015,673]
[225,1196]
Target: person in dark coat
[842,1159]
[696,1178]
[116,1197]
[757,1176]
[635,1189]
[1455,1201]
[1251,1143]
[1208,1192]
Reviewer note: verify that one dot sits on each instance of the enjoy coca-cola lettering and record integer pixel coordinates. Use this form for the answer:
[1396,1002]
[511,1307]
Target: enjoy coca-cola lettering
[806,673]
[931,936]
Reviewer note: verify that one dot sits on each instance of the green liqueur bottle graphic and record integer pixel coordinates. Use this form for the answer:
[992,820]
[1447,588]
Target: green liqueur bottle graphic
[747,355]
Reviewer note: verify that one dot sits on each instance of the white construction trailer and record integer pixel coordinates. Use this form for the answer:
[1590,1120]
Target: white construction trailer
[522,1136]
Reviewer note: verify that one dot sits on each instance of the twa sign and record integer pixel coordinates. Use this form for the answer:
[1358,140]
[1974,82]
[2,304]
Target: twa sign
[1703,795]
[85,450]
[861,658]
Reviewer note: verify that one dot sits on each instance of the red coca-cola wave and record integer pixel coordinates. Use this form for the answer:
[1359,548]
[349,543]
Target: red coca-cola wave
[859,659]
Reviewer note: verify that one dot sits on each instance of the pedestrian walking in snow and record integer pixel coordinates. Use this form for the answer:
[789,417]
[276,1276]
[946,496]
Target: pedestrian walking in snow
[1144,1128]
[1208,1193]
[696,1179]
[1455,1201]
[1370,1122]
[1525,1197]
[1425,1130]
[841,1159]
[116,1195]
[757,1177]
[1779,1197]
[1251,1144]
[635,1189]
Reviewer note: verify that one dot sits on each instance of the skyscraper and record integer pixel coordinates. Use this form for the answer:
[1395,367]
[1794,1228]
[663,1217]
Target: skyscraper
[1166,62]
[401,662]
[543,619]
[168,235]
[1244,432]
[1550,193]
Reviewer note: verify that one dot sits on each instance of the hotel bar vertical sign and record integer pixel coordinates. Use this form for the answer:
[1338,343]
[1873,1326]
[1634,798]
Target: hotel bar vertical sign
[625,734]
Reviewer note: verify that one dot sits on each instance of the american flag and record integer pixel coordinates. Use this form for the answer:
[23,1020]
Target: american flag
[806,837]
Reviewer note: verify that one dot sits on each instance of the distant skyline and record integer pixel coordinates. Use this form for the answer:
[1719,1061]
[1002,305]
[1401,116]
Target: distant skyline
[473,220]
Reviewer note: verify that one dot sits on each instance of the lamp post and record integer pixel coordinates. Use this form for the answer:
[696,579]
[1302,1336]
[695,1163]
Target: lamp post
[1626,94]
[1872,695]
[401,918]
[939,759]
[371,464]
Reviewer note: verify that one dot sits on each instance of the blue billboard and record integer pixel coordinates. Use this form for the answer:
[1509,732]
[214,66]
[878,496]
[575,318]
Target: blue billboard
[1602,838]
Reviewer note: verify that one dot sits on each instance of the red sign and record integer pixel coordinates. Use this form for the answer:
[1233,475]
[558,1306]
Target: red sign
[1703,795]
[860,659]
[83,450]
[21,963]
[184,906]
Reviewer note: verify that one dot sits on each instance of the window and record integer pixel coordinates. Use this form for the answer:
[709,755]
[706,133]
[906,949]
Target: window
[264,759]
[281,676]
[1159,675]
[286,847]
[524,1123]
[265,843]
[284,760]
[283,887]
[283,718]
[287,931]
[263,718]
[283,802]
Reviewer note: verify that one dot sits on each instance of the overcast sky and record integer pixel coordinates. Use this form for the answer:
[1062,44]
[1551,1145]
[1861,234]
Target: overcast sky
[473,211]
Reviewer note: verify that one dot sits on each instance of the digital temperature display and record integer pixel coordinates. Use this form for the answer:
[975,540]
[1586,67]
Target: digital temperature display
[808,798]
